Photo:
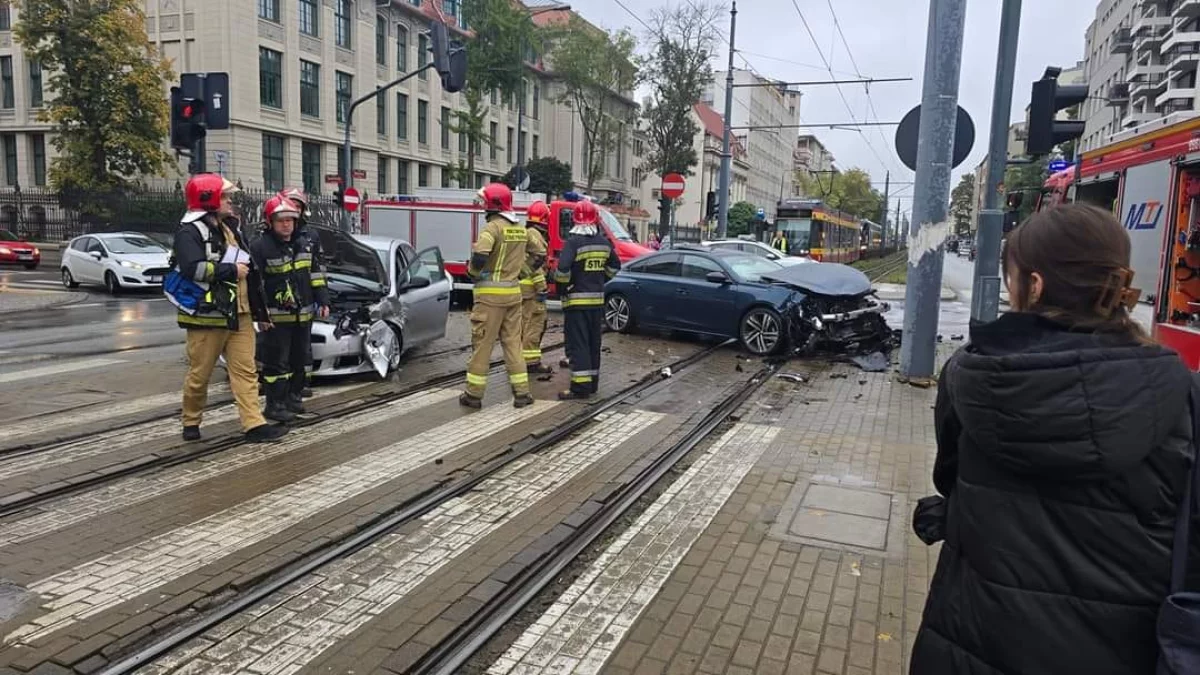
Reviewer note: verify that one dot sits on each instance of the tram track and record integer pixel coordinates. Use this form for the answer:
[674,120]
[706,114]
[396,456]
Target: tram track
[373,397]
[429,498]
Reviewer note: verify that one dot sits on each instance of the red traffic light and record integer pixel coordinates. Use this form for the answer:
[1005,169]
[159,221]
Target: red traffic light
[191,109]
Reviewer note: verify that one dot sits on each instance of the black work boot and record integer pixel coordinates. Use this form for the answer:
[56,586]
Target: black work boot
[277,411]
[564,363]
[306,392]
[572,395]
[191,433]
[538,368]
[522,400]
[469,401]
[265,433]
[295,403]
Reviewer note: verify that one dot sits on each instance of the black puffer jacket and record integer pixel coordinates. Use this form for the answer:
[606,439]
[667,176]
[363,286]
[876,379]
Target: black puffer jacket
[1063,456]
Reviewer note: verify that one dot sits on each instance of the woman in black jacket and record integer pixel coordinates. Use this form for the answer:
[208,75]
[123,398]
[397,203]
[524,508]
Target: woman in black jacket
[1064,445]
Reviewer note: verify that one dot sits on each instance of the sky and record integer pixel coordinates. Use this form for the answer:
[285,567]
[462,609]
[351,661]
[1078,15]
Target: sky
[886,39]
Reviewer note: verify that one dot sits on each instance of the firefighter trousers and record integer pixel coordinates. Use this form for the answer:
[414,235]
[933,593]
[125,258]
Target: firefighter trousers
[204,347]
[583,328]
[490,323]
[533,327]
[285,358]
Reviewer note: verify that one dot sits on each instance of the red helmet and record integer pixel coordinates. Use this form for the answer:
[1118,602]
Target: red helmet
[280,207]
[203,192]
[296,195]
[496,197]
[586,213]
[538,213]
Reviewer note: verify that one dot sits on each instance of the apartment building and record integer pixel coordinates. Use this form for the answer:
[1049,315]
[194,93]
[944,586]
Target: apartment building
[811,157]
[1108,47]
[1018,133]
[294,67]
[770,106]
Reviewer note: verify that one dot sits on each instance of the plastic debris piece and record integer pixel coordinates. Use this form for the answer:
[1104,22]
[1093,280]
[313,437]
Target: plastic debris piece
[792,377]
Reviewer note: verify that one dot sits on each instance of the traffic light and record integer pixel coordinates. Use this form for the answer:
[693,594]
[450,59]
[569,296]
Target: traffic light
[337,197]
[449,58]
[710,205]
[1014,200]
[187,120]
[1049,97]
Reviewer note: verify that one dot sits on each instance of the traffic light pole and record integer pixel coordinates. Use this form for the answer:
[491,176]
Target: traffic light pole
[726,157]
[985,289]
[935,151]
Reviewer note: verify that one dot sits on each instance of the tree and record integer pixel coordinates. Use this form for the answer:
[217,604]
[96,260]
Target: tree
[504,39]
[848,191]
[741,217]
[546,174]
[1027,179]
[962,199]
[594,67]
[678,69]
[106,86]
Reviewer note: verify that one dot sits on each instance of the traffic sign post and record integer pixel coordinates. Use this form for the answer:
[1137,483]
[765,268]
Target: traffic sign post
[350,199]
[672,186]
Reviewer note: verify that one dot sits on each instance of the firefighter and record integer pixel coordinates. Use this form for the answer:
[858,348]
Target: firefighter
[300,199]
[533,290]
[292,297]
[217,292]
[497,257]
[586,262]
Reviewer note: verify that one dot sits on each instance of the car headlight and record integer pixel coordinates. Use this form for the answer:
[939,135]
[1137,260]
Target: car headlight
[131,265]
[37,251]
[4,250]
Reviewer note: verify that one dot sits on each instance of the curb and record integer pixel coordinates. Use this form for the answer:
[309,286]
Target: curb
[74,298]
[896,292]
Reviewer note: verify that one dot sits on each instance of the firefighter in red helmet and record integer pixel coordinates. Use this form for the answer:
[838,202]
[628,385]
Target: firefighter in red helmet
[218,294]
[302,232]
[499,254]
[587,261]
[533,289]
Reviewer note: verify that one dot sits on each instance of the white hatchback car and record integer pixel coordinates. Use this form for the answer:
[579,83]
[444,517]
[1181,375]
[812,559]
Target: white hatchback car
[759,249]
[118,260]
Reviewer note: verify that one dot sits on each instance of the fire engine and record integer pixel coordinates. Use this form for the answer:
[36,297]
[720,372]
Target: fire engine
[1150,180]
[450,219]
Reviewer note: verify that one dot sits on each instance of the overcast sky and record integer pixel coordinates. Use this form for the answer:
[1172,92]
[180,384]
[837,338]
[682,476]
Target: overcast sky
[886,39]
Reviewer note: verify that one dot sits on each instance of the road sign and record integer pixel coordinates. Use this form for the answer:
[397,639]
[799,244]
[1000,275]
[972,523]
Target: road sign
[1058,165]
[359,174]
[333,178]
[672,186]
[350,199]
[909,129]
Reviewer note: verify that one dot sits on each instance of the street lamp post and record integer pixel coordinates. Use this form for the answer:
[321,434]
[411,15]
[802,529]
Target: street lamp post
[521,106]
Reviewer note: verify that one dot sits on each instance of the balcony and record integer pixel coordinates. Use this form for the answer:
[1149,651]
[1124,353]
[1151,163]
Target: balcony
[1149,25]
[1122,42]
[1176,97]
[1186,9]
[1180,39]
[1118,94]
[1183,62]
[1133,119]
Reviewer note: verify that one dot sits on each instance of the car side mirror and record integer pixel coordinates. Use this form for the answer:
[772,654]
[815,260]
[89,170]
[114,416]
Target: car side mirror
[416,282]
[717,277]
[96,254]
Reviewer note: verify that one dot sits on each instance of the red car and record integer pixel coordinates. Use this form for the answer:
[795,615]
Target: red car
[15,251]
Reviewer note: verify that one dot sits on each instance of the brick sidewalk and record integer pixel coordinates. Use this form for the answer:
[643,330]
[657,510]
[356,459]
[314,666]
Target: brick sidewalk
[808,565]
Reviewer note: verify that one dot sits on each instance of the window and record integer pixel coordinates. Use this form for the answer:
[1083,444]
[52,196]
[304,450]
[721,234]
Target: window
[666,264]
[698,267]
[495,96]
[310,89]
[269,10]
[38,141]
[310,166]
[422,54]
[5,19]
[272,159]
[402,177]
[310,18]
[426,267]
[493,131]
[445,178]
[10,158]
[381,40]
[270,78]
[402,117]
[382,169]
[35,84]
[462,141]
[508,146]
[537,95]
[8,101]
[422,175]
[345,91]
[381,115]
[445,128]
[342,16]
[423,122]
[536,138]
[401,49]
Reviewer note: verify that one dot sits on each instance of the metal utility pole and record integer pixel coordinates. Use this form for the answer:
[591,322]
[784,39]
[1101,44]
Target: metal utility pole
[935,151]
[985,288]
[726,157]
[887,182]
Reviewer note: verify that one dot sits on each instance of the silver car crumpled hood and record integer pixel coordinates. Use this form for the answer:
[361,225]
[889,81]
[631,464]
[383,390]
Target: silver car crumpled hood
[833,279]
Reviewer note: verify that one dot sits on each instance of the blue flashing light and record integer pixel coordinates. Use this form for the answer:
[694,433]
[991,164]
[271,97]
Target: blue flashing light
[572,196]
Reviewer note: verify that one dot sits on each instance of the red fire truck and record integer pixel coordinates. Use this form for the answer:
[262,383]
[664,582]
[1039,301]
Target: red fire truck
[451,219]
[1151,181]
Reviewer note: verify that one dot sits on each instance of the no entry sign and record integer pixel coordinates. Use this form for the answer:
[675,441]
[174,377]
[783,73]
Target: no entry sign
[350,199]
[672,186]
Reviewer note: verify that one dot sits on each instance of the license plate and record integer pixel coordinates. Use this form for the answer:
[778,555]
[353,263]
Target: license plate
[25,257]
[155,279]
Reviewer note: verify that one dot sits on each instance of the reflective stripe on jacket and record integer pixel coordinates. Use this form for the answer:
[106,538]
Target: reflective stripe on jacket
[585,264]
[197,251]
[291,290]
[497,259]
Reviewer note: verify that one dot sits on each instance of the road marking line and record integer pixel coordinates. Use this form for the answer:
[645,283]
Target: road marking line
[144,487]
[110,441]
[46,371]
[115,578]
[81,304]
[584,627]
[297,624]
[24,358]
[42,282]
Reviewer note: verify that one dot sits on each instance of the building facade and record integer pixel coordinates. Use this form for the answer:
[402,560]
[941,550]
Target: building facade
[1017,134]
[760,102]
[810,157]
[1108,43]
[294,68]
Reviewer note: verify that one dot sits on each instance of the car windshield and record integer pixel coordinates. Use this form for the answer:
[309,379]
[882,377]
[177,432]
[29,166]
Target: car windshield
[5,235]
[750,267]
[133,244]
[614,226]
